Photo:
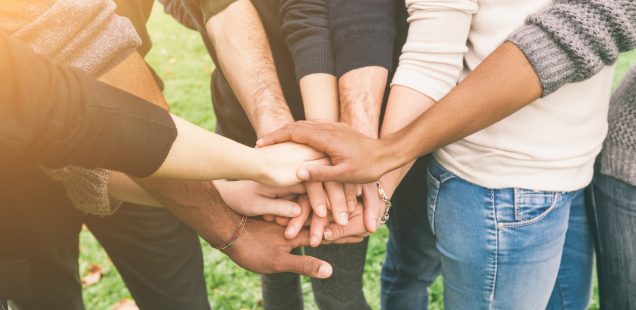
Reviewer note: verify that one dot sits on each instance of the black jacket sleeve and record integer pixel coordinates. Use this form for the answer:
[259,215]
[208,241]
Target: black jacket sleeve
[305,26]
[363,33]
[59,116]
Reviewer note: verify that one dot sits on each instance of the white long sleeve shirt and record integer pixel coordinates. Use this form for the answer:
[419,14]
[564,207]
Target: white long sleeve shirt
[549,145]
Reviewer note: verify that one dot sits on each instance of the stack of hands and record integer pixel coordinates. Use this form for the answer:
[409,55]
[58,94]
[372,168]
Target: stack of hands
[306,212]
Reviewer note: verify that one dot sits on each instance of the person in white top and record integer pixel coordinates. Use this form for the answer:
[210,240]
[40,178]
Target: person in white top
[505,200]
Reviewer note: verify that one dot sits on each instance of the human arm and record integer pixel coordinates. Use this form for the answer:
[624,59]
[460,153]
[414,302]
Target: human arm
[58,115]
[260,247]
[429,66]
[244,52]
[503,83]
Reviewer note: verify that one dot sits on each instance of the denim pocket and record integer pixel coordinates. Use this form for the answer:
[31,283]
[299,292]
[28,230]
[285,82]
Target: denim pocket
[433,186]
[532,206]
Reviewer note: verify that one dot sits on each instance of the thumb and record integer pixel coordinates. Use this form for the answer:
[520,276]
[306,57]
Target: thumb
[278,136]
[305,265]
[323,173]
[288,190]
[334,231]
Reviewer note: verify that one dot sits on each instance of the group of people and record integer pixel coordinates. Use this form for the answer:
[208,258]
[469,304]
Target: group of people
[473,129]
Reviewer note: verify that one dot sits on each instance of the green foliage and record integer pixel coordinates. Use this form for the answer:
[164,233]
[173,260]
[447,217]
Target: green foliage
[181,60]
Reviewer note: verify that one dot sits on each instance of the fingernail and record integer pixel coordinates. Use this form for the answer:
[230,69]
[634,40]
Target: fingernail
[295,211]
[328,234]
[290,230]
[313,240]
[322,210]
[303,174]
[343,218]
[259,141]
[324,271]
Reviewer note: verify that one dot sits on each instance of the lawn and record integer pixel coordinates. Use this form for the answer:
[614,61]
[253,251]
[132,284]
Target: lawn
[181,60]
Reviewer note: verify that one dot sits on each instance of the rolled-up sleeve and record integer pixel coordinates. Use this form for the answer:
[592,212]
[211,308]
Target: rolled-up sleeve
[305,25]
[432,57]
[57,116]
[570,41]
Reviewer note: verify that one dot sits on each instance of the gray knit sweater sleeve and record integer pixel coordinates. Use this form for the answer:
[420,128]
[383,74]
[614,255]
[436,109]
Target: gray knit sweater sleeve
[618,158]
[572,40]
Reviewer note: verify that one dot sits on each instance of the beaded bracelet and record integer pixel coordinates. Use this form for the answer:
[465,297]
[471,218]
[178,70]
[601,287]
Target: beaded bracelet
[237,232]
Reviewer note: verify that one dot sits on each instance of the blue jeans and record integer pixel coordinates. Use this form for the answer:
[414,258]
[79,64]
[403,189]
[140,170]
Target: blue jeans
[412,261]
[502,248]
[613,209]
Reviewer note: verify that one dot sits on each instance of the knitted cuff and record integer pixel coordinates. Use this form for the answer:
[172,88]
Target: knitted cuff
[377,49]
[619,163]
[549,60]
[87,189]
[314,57]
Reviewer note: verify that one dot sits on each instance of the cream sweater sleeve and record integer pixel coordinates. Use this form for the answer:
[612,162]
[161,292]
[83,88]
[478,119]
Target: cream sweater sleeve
[432,57]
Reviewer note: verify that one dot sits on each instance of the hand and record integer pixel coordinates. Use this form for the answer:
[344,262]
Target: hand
[363,220]
[357,226]
[356,158]
[281,161]
[261,248]
[253,199]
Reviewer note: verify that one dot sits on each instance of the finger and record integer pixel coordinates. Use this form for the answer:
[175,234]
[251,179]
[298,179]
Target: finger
[288,190]
[302,132]
[338,202]
[356,228]
[358,190]
[317,229]
[305,265]
[373,206]
[268,217]
[346,240]
[351,196]
[278,136]
[296,224]
[278,207]
[282,221]
[317,198]
[337,173]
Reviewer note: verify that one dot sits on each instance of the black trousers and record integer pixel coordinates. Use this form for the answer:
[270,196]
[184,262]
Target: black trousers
[157,256]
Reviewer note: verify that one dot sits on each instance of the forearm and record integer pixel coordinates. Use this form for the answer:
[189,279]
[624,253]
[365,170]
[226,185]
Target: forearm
[133,76]
[502,84]
[245,58]
[404,106]
[198,154]
[198,205]
[123,188]
[361,93]
[320,96]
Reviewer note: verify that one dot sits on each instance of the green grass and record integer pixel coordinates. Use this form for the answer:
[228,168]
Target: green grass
[180,58]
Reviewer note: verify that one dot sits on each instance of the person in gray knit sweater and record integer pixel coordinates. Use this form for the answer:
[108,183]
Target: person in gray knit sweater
[613,202]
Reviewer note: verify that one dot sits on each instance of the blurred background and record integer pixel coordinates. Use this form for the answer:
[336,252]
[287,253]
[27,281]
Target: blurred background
[181,60]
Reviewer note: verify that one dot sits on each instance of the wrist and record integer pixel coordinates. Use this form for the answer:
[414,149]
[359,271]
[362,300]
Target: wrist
[267,125]
[389,154]
[366,128]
